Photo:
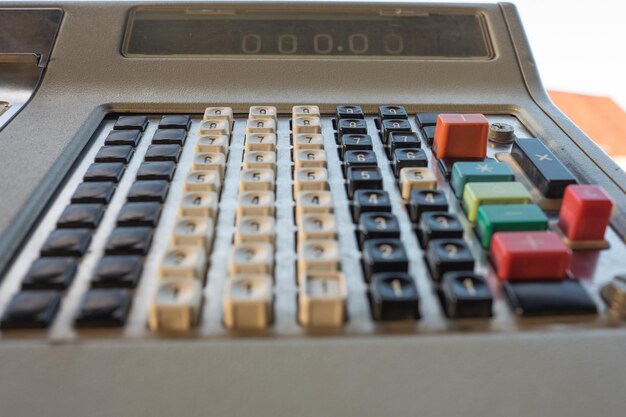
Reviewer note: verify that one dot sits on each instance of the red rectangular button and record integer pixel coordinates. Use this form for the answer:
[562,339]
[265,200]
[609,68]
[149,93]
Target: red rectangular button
[529,255]
[461,136]
[585,212]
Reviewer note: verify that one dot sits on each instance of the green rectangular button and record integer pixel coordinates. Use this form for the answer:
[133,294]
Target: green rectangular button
[508,218]
[464,172]
[480,193]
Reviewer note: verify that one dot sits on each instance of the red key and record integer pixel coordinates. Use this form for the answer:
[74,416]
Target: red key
[461,136]
[529,255]
[585,212]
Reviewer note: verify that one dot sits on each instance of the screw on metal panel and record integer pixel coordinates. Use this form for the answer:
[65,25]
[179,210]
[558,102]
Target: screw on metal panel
[501,133]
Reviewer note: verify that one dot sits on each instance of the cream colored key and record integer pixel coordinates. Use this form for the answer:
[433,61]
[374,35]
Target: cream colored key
[184,261]
[251,258]
[265,125]
[257,179]
[322,300]
[310,158]
[203,181]
[176,305]
[210,161]
[199,203]
[215,127]
[313,202]
[318,255]
[219,113]
[308,141]
[255,203]
[304,111]
[262,112]
[259,159]
[317,226]
[308,124]
[310,179]
[213,143]
[261,142]
[416,179]
[247,302]
[194,231]
[255,229]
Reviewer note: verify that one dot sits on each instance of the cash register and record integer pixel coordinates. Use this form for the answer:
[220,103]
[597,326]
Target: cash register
[305,209]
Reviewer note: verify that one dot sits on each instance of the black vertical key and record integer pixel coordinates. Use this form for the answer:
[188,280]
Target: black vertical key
[384,255]
[465,295]
[148,191]
[426,119]
[392,112]
[93,192]
[175,121]
[163,153]
[139,214]
[86,216]
[350,112]
[439,225]
[156,170]
[351,126]
[393,296]
[131,122]
[31,310]
[129,241]
[104,172]
[422,201]
[542,167]
[123,138]
[355,143]
[378,226]
[365,178]
[50,274]
[429,134]
[549,298]
[118,272]
[67,242]
[359,159]
[408,158]
[447,255]
[394,126]
[120,153]
[170,137]
[366,201]
[104,308]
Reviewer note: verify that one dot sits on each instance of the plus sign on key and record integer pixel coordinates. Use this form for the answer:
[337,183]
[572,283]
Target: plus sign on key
[461,136]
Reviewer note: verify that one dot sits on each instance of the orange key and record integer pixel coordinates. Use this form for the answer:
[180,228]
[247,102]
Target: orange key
[461,136]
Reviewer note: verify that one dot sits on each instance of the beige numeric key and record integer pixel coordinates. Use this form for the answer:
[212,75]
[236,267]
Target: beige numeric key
[322,300]
[212,144]
[262,126]
[310,158]
[210,161]
[314,202]
[219,113]
[257,179]
[317,226]
[310,179]
[176,305]
[255,229]
[416,178]
[203,181]
[261,142]
[247,302]
[215,127]
[251,258]
[318,255]
[308,141]
[262,112]
[305,111]
[255,203]
[185,262]
[194,231]
[199,203]
[308,124]
[259,159]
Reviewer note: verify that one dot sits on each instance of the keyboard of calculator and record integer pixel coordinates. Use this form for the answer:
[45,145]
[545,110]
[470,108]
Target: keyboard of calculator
[298,224]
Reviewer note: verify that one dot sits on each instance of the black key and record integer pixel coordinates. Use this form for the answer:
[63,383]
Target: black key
[394,126]
[175,121]
[148,191]
[359,159]
[447,255]
[170,136]
[355,143]
[93,192]
[393,296]
[465,295]
[118,272]
[426,119]
[392,112]
[439,225]
[366,178]
[31,310]
[384,255]
[123,137]
[156,170]
[115,154]
[163,153]
[104,308]
[429,134]
[408,158]
[549,298]
[366,201]
[350,112]
[104,172]
[50,274]
[422,201]
[542,167]
[445,167]
[402,140]
[131,122]
[129,241]
[351,126]
[67,242]
[378,226]
[86,216]
[139,214]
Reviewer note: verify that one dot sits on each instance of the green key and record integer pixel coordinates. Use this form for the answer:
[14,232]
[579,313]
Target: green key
[465,172]
[480,193]
[508,218]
